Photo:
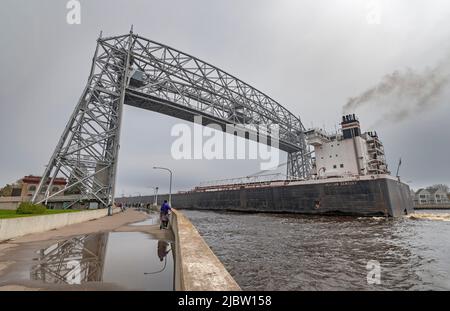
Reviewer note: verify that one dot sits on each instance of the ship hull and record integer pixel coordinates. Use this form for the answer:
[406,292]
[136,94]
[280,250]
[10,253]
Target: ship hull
[372,197]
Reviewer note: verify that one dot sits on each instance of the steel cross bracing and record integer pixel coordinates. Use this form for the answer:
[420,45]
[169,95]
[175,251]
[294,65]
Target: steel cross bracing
[132,70]
[78,260]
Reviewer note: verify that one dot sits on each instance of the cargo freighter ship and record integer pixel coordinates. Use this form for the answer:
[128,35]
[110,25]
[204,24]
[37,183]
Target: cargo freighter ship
[349,176]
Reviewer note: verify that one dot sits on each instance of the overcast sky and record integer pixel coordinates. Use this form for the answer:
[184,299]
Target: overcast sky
[310,56]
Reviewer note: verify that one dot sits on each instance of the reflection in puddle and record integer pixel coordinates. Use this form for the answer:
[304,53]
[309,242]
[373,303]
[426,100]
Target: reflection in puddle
[153,220]
[163,250]
[131,260]
[73,261]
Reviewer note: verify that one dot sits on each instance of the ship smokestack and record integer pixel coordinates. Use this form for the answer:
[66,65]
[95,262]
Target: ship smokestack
[350,126]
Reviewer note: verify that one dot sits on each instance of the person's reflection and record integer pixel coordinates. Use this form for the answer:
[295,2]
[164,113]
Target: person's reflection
[162,249]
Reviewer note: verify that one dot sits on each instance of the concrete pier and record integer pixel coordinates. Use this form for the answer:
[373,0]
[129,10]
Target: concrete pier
[195,265]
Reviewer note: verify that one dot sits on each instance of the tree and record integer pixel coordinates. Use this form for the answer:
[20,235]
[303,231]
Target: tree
[6,191]
[443,187]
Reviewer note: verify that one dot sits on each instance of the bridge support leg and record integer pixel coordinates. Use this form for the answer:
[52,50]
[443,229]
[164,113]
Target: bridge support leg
[87,152]
[298,165]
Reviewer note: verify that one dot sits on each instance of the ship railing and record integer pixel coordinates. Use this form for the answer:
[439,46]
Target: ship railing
[242,181]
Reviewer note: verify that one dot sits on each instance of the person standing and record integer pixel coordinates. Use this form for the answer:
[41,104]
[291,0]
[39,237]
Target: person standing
[164,215]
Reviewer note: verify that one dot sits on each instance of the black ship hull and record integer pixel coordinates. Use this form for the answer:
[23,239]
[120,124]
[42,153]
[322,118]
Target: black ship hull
[373,197]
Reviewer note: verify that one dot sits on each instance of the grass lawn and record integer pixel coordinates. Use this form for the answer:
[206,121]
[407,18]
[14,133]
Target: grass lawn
[12,214]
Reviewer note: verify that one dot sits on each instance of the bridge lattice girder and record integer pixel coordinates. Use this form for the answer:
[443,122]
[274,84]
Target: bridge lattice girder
[133,70]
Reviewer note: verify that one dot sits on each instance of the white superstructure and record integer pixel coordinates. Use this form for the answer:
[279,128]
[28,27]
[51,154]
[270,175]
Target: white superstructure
[347,152]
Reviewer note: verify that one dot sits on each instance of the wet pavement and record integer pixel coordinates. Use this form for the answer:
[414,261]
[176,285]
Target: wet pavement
[151,221]
[134,255]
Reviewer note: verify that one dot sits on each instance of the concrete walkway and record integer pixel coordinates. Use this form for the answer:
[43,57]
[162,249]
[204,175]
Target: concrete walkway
[16,252]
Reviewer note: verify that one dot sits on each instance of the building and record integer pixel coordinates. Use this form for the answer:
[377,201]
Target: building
[431,196]
[29,184]
[24,189]
[347,152]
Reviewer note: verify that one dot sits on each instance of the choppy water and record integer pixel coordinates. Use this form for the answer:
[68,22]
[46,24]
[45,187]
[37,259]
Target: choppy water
[293,252]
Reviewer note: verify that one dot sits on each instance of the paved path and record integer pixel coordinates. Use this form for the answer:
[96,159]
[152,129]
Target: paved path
[17,253]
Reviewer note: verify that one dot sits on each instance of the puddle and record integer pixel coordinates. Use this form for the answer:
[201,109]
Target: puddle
[130,260]
[153,220]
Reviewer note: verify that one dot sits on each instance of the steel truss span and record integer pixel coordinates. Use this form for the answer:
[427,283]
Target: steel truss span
[136,71]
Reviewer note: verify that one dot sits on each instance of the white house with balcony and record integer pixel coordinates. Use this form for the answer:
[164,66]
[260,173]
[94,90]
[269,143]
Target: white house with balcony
[434,196]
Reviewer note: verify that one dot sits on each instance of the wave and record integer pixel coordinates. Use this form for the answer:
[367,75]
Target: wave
[430,216]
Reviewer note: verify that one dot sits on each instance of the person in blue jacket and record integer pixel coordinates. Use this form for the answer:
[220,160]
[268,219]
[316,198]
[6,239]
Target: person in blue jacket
[164,215]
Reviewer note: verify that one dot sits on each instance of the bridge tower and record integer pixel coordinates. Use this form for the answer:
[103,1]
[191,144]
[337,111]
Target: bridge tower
[133,70]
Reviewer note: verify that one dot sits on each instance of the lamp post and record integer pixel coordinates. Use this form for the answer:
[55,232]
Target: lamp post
[155,195]
[170,185]
[139,197]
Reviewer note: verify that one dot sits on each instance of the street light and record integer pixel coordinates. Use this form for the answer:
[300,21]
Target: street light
[155,194]
[140,195]
[170,186]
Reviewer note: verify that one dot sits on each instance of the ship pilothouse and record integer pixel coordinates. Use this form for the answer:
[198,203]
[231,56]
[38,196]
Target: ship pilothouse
[348,152]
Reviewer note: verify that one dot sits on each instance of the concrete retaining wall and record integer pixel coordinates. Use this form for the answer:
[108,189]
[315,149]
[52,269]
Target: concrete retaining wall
[15,227]
[196,266]
[10,203]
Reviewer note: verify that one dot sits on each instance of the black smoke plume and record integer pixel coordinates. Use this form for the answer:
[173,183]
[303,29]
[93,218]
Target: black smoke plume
[404,93]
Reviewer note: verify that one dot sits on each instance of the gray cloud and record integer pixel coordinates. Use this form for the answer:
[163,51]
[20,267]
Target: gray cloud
[308,55]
